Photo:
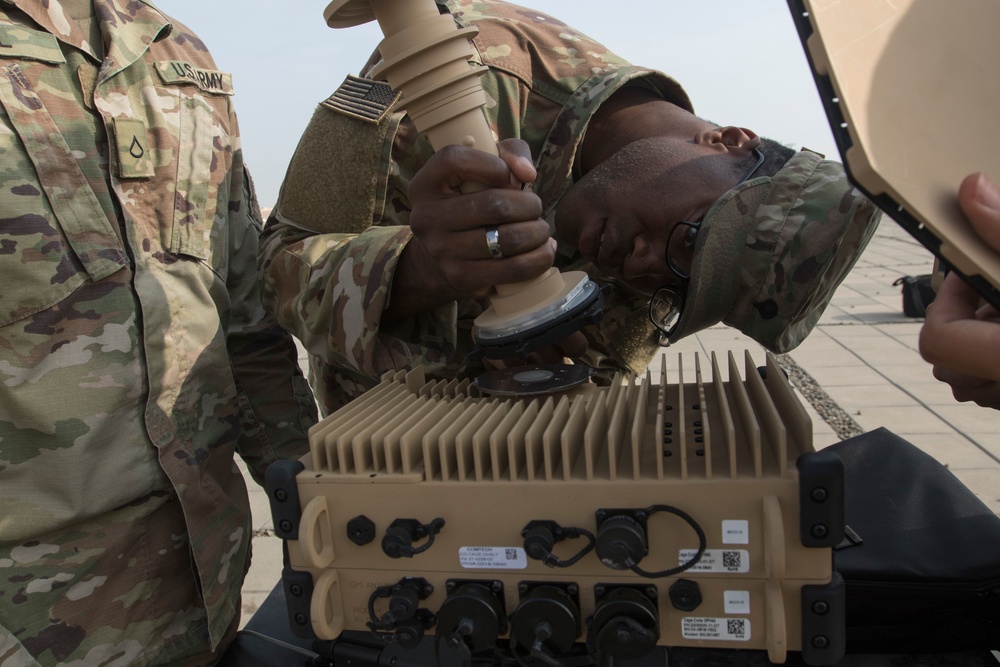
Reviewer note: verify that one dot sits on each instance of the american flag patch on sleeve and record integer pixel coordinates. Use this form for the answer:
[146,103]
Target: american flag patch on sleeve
[364,99]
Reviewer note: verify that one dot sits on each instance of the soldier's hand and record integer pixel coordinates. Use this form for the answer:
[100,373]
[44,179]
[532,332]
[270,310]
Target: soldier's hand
[960,336]
[451,224]
[962,339]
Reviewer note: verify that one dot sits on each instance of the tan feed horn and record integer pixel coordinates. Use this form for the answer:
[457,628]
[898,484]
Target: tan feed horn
[425,57]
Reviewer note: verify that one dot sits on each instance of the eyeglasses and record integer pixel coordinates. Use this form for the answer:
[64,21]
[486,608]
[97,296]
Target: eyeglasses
[667,303]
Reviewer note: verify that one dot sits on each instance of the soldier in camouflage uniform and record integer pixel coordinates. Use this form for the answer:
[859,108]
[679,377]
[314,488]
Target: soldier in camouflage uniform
[135,357]
[376,260]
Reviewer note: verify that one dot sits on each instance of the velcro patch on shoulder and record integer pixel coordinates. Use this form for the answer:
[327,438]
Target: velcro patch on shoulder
[19,42]
[210,81]
[364,99]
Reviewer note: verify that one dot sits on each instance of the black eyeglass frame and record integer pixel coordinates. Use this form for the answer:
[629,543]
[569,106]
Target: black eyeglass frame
[674,294]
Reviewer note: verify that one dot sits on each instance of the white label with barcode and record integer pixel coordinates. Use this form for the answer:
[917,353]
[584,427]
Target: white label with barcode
[721,629]
[492,558]
[733,561]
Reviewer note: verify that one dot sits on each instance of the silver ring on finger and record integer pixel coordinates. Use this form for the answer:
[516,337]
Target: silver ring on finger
[493,242]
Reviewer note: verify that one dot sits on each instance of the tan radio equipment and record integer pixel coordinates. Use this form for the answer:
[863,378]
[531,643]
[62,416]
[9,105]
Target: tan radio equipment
[619,519]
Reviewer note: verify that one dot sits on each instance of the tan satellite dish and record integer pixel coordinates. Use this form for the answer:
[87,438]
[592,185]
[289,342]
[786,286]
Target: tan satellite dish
[912,95]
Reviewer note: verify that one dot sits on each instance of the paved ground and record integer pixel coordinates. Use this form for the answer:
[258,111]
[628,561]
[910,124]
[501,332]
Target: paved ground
[864,371]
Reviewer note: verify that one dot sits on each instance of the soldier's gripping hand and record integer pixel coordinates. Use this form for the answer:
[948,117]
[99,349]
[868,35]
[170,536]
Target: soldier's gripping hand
[960,336]
[463,200]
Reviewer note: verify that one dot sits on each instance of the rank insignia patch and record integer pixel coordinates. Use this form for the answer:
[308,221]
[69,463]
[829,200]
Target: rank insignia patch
[364,99]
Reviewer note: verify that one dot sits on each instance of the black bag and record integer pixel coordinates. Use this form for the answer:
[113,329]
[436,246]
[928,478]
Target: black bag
[917,294]
[921,560]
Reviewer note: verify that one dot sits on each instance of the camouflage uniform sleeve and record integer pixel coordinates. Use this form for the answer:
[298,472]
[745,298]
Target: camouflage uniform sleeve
[330,290]
[275,400]
[330,250]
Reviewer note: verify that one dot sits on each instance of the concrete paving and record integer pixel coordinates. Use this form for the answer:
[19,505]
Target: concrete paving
[863,357]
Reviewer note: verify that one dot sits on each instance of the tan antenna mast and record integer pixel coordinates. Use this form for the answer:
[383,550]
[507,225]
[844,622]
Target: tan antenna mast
[425,57]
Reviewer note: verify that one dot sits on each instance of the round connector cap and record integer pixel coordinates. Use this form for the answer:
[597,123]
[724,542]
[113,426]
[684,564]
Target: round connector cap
[361,530]
[685,595]
[621,542]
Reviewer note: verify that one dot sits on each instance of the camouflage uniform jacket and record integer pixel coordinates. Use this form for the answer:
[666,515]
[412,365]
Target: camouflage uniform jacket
[135,356]
[331,247]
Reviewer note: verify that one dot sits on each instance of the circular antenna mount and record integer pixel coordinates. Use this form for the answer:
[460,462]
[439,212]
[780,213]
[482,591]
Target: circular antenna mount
[534,380]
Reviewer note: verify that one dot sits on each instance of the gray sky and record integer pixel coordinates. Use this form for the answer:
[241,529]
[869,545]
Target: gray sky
[741,62]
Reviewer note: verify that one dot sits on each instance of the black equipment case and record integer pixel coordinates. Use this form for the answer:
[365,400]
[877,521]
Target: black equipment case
[921,560]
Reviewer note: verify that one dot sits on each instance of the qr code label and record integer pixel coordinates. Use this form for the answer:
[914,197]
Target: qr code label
[736,627]
[731,561]
[718,629]
[492,558]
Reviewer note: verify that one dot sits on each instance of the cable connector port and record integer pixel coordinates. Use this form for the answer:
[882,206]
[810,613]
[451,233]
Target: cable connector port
[625,624]
[404,618]
[546,623]
[621,538]
[541,536]
[472,616]
[402,533]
